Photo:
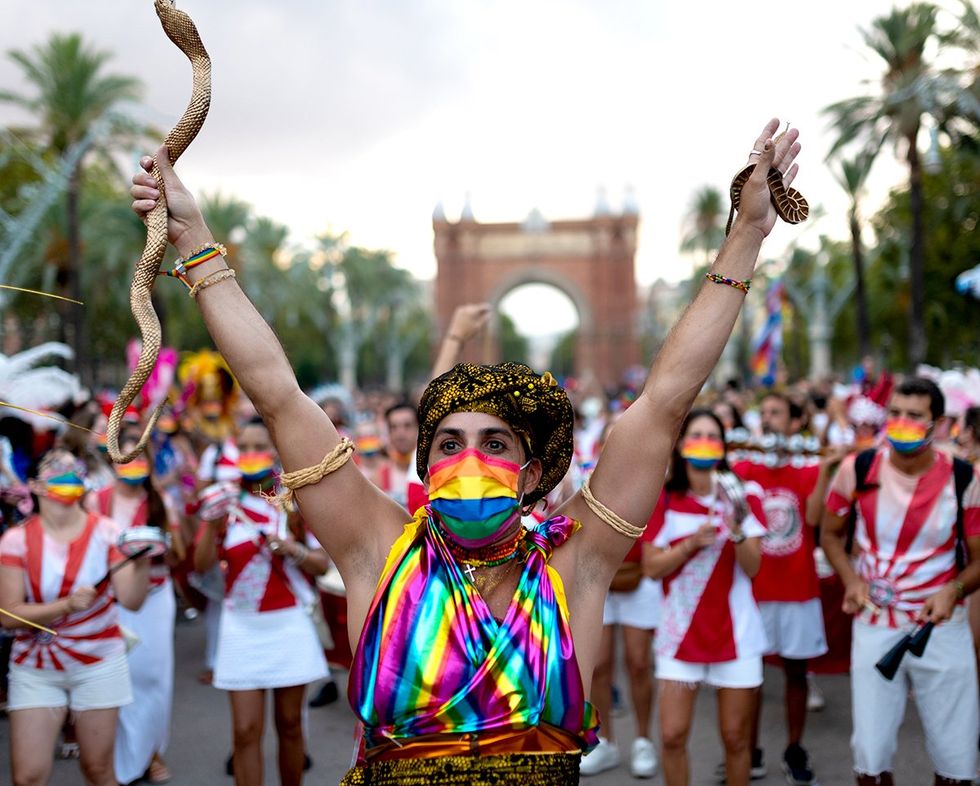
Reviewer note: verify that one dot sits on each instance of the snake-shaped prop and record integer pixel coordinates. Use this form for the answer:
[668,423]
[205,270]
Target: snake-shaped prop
[789,203]
[181,30]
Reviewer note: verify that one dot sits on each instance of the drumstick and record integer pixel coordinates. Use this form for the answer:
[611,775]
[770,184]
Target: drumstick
[108,574]
[28,622]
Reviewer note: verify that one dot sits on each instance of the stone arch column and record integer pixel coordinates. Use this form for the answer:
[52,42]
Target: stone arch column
[590,260]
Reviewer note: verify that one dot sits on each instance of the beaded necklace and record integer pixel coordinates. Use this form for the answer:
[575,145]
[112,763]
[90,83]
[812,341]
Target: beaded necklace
[488,556]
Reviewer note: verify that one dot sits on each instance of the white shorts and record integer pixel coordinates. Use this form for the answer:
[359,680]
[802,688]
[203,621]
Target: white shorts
[944,683]
[97,687]
[738,673]
[794,629]
[637,609]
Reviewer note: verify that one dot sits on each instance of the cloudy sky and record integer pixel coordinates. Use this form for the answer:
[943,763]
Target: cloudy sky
[361,115]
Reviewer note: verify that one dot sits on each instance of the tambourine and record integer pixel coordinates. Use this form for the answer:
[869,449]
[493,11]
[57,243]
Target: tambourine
[136,538]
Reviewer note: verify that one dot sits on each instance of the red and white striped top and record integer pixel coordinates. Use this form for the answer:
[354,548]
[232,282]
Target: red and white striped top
[256,580]
[709,614]
[905,532]
[54,570]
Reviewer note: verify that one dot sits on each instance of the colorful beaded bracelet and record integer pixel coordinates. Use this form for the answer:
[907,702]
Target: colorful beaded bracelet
[717,278]
[201,255]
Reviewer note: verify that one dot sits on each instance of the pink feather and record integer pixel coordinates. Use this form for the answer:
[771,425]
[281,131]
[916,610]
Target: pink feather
[158,385]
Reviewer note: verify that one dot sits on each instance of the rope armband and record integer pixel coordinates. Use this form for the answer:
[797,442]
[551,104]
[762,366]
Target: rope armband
[621,525]
[308,476]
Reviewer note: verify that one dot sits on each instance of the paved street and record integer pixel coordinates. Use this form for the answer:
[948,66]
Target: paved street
[201,733]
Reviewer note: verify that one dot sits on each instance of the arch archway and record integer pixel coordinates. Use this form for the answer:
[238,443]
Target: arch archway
[590,260]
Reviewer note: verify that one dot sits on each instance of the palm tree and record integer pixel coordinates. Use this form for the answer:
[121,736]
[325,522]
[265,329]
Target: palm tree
[852,176]
[229,218]
[894,111]
[704,223]
[70,91]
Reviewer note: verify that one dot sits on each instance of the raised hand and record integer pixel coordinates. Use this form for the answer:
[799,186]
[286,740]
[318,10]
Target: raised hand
[756,208]
[469,319]
[185,224]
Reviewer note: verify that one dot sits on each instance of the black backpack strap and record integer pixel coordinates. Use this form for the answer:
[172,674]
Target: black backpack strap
[962,477]
[862,466]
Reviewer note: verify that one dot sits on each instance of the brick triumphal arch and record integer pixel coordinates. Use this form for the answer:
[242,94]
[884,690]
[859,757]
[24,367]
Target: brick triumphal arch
[590,260]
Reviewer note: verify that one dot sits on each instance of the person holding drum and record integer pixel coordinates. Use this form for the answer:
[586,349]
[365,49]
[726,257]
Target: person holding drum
[60,574]
[136,506]
[267,559]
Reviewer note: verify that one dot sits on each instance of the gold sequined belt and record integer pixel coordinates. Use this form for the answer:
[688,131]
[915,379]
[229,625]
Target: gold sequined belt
[509,769]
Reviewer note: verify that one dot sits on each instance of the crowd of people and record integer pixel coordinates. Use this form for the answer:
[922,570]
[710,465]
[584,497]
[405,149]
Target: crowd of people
[483,546]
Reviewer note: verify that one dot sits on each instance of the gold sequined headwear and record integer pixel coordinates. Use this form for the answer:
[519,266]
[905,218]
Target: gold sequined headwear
[535,406]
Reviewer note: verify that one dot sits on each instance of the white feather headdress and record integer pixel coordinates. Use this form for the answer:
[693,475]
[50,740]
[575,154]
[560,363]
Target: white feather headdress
[24,385]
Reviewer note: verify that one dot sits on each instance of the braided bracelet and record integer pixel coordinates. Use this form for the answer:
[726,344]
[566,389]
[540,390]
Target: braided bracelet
[211,278]
[717,278]
[200,255]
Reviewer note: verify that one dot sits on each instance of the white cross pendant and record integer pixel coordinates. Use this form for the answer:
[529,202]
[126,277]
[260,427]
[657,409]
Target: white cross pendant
[468,570]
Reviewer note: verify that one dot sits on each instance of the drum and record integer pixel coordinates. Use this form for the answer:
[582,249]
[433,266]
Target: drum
[136,538]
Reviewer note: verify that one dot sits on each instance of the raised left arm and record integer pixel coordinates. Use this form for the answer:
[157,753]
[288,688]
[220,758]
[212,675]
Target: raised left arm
[630,472]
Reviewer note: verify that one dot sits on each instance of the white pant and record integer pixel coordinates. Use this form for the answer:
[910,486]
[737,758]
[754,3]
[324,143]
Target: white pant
[944,683]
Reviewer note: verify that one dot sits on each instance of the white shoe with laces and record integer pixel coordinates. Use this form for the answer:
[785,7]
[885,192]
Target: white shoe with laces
[604,757]
[643,758]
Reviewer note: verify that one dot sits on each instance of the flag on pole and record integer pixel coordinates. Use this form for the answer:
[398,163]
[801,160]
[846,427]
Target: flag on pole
[768,344]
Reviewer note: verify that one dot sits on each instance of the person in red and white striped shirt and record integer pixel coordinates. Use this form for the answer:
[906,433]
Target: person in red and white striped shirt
[267,565]
[51,571]
[906,573]
[711,630]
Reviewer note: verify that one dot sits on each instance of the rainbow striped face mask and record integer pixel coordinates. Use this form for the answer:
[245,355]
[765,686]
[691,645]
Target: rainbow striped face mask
[133,473]
[703,452]
[65,488]
[475,496]
[256,465]
[907,436]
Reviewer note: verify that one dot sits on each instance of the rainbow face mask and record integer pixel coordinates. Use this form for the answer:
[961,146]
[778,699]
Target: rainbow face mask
[65,488]
[101,443]
[702,452]
[475,496]
[368,445]
[256,465]
[134,473]
[907,436]
[167,424]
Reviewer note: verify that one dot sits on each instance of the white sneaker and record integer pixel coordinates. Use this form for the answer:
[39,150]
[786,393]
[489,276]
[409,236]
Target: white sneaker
[604,757]
[643,758]
[814,700]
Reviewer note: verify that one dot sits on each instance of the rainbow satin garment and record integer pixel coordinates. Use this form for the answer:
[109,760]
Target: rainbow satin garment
[906,436]
[433,660]
[256,464]
[65,487]
[475,496]
[702,452]
[133,473]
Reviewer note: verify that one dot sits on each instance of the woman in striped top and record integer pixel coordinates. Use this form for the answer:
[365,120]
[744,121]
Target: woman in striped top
[52,571]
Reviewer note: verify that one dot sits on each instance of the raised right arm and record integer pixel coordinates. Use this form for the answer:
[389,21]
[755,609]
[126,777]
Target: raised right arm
[354,521]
